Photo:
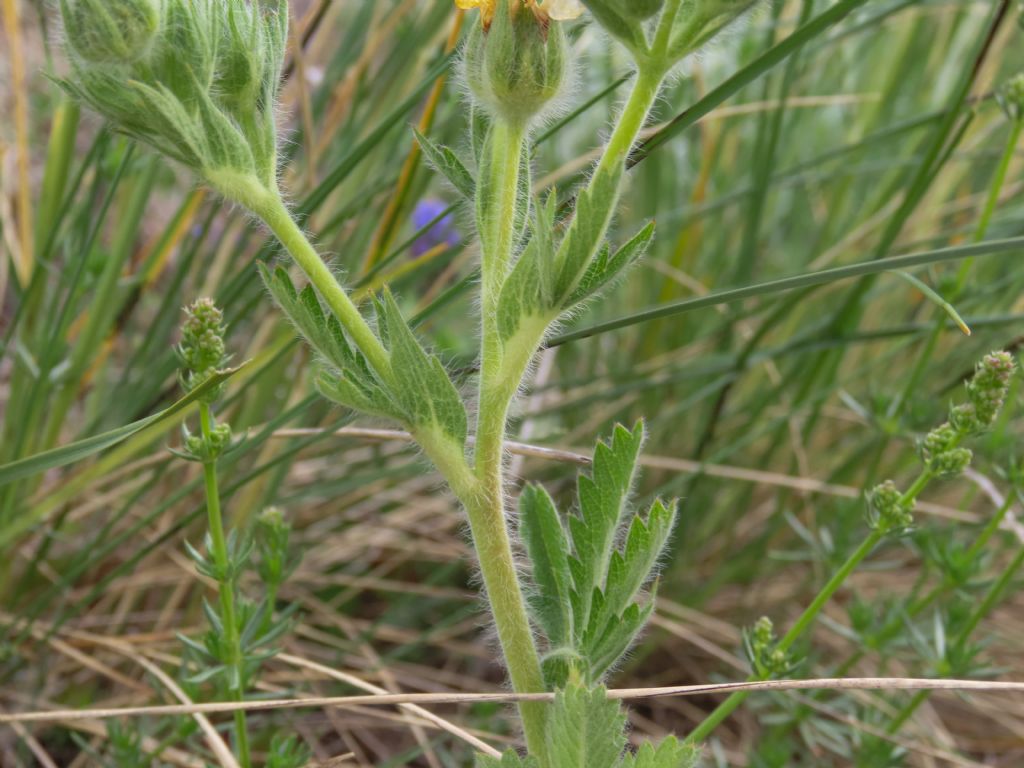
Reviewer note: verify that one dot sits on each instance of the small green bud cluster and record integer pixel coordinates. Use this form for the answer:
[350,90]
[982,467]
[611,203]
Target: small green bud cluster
[986,393]
[202,350]
[198,449]
[1011,97]
[888,511]
[516,66]
[941,453]
[761,644]
[195,79]
[273,533]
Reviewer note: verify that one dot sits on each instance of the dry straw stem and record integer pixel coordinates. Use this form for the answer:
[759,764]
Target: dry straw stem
[574,456]
[392,699]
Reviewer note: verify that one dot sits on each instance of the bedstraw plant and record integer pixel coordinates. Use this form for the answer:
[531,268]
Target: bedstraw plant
[198,80]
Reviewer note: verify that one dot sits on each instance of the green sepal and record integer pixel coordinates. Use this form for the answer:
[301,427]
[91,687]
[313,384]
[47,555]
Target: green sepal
[608,268]
[447,163]
[424,391]
[619,23]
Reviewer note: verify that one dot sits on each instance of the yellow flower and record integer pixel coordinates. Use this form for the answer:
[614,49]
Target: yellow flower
[558,10]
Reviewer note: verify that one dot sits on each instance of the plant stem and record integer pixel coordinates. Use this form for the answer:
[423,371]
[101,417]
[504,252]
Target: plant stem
[502,369]
[484,495]
[726,708]
[272,210]
[803,623]
[226,587]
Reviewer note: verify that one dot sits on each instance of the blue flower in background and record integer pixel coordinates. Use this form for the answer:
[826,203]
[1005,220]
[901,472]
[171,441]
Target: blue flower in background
[444,231]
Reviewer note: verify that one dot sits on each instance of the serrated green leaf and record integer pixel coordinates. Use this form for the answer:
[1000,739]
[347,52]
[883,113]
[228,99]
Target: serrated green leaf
[349,379]
[445,162]
[586,233]
[606,269]
[585,729]
[547,548]
[527,290]
[669,753]
[633,567]
[602,499]
[426,394]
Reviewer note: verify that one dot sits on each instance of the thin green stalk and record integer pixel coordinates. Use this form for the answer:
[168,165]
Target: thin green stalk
[727,707]
[274,213]
[226,586]
[806,619]
[994,594]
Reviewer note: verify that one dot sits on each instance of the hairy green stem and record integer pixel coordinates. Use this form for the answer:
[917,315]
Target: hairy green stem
[274,213]
[226,586]
[484,494]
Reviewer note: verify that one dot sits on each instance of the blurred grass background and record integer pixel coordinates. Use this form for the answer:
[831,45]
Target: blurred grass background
[880,136]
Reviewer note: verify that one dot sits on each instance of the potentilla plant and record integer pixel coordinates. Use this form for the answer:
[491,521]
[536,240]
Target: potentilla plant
[198,81]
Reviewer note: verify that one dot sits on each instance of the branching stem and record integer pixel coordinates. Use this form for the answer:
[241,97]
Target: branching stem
[226,587]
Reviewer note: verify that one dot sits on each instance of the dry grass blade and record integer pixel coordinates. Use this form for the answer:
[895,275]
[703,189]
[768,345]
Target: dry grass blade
[824,683]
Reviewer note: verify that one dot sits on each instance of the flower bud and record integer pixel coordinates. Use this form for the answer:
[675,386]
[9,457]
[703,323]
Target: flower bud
[202,349]
[517,65]
[1011,97]
[111,31]
[887,512]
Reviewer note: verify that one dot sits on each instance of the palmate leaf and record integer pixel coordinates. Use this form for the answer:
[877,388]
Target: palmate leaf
[348,378]
[586,232]
[589,575]
[670,753]
[549,555]
[425,393]
[587,730]
[602,499]
[527,292]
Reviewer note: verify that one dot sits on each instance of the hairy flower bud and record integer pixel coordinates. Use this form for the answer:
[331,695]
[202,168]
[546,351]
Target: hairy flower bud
[195,79]
[517,65]
[111,31]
